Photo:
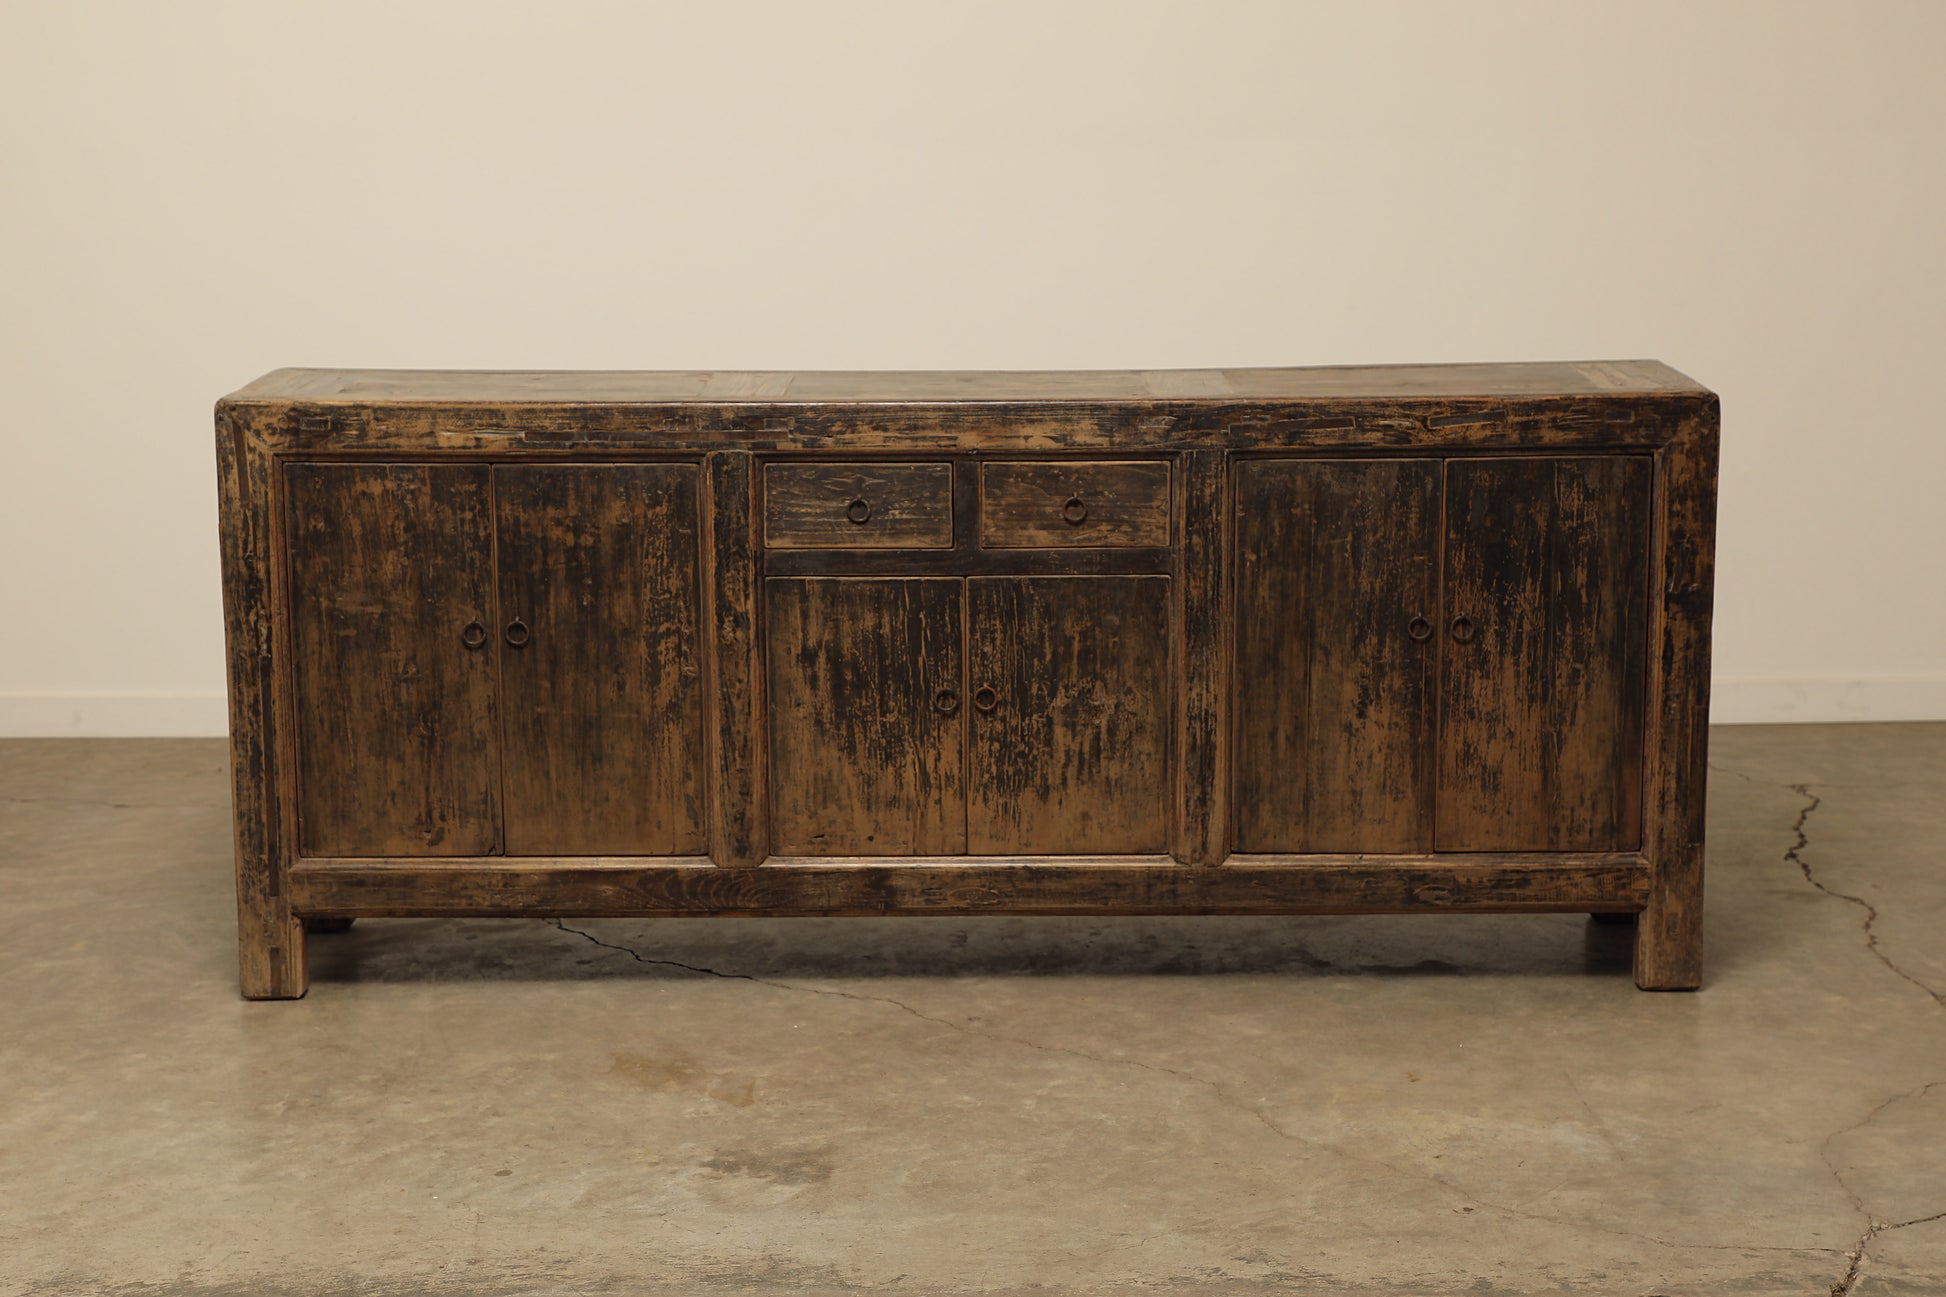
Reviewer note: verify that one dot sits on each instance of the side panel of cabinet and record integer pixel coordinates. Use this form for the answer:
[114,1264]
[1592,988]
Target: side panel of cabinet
[1336,606]
[1547,568]
[1069,737]
[867,738]
[600,643]
[392,669]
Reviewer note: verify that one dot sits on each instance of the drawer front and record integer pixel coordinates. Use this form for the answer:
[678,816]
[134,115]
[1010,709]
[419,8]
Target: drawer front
[858,506]
[1121,504]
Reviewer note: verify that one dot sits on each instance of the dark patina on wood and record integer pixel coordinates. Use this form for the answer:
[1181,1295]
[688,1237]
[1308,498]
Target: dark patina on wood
[1123,642]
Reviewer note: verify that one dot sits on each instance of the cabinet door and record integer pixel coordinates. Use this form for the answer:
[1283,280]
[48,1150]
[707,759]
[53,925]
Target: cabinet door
[1336,606]
[1547,564]
[1069,738]
[867,724]
[391,600]
[601,689]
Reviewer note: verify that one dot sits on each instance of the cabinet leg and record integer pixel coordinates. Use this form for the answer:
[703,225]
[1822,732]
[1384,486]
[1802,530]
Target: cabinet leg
[270,947]
[1669,932]
[327,923]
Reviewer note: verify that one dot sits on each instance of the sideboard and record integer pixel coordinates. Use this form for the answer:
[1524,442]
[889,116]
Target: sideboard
[1244,641]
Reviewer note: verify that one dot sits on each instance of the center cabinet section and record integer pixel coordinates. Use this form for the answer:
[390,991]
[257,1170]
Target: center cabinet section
[496,659]
[986,715]
[1441,655]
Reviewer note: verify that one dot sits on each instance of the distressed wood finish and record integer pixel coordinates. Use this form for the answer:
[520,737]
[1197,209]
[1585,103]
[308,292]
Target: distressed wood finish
[858,506]
[867,732]
[733,699]
[1337,607]
[270,935]
[1246,885]
[1074,505]
[1068,678]
[1544,675]
[600,647]
[394,643]
[1203,662]
[1669,936]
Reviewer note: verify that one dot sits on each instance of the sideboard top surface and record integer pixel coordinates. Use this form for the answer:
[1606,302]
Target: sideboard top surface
[440,388]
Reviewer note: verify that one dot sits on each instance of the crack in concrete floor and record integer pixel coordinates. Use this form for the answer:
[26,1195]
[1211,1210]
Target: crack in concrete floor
[1874,1227]
[1796,857]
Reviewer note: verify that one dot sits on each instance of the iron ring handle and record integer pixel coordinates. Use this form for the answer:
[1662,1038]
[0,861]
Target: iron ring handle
[985,699]
[1420,629]
[859,511]
[473,635]
[517,633]
[945,702]
[1075,511]
[1463,630]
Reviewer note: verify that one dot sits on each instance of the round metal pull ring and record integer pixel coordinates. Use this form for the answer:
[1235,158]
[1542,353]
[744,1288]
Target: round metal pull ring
[1075,511]
[473,635]
[1420,629]
[859,512]
[985,699]
[517,633]
[1463,630]
[945,702]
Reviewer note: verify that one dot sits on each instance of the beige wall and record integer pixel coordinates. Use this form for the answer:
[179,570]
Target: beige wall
[196,192]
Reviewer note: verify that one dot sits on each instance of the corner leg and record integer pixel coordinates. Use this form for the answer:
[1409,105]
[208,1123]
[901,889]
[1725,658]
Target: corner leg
[327,923]
[1669,933]
[270,948]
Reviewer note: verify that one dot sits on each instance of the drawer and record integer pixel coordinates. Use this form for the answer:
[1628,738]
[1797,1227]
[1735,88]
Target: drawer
[858,506]
[1048,505]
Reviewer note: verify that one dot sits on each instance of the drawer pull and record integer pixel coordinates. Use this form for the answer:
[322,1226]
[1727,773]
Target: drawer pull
[985,699]
[517,633]
[1463,630]
[859,512]
[1075,511]
[945,702]
[473,635]
[1420,629]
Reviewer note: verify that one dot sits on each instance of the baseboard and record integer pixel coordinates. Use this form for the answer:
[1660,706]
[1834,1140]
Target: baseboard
[1823,698]
[195,714]
[88,714]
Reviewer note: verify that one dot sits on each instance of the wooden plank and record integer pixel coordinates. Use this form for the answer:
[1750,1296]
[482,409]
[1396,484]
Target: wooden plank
[602,700]
[1202,669]
[858,506]
[1669,936]
[1246,885]
[1334,425]
[270,939]
[393,657]
[866,705]
[733,699]
[1544,673]
[1068,750]
[1337,603]
[1543,378]
[1057,504]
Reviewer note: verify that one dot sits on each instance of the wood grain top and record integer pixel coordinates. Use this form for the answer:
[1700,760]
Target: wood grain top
[449,387]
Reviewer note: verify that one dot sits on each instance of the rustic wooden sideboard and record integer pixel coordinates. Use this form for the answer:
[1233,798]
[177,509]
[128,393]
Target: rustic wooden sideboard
[1248,641]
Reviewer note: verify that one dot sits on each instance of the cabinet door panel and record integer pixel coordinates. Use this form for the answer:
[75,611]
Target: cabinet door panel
[867,722]
[1543,690]
[602,702]
[394,712]
[1336,607]
[1071,757]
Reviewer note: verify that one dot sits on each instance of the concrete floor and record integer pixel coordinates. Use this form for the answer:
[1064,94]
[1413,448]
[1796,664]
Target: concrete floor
[1226,1106]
